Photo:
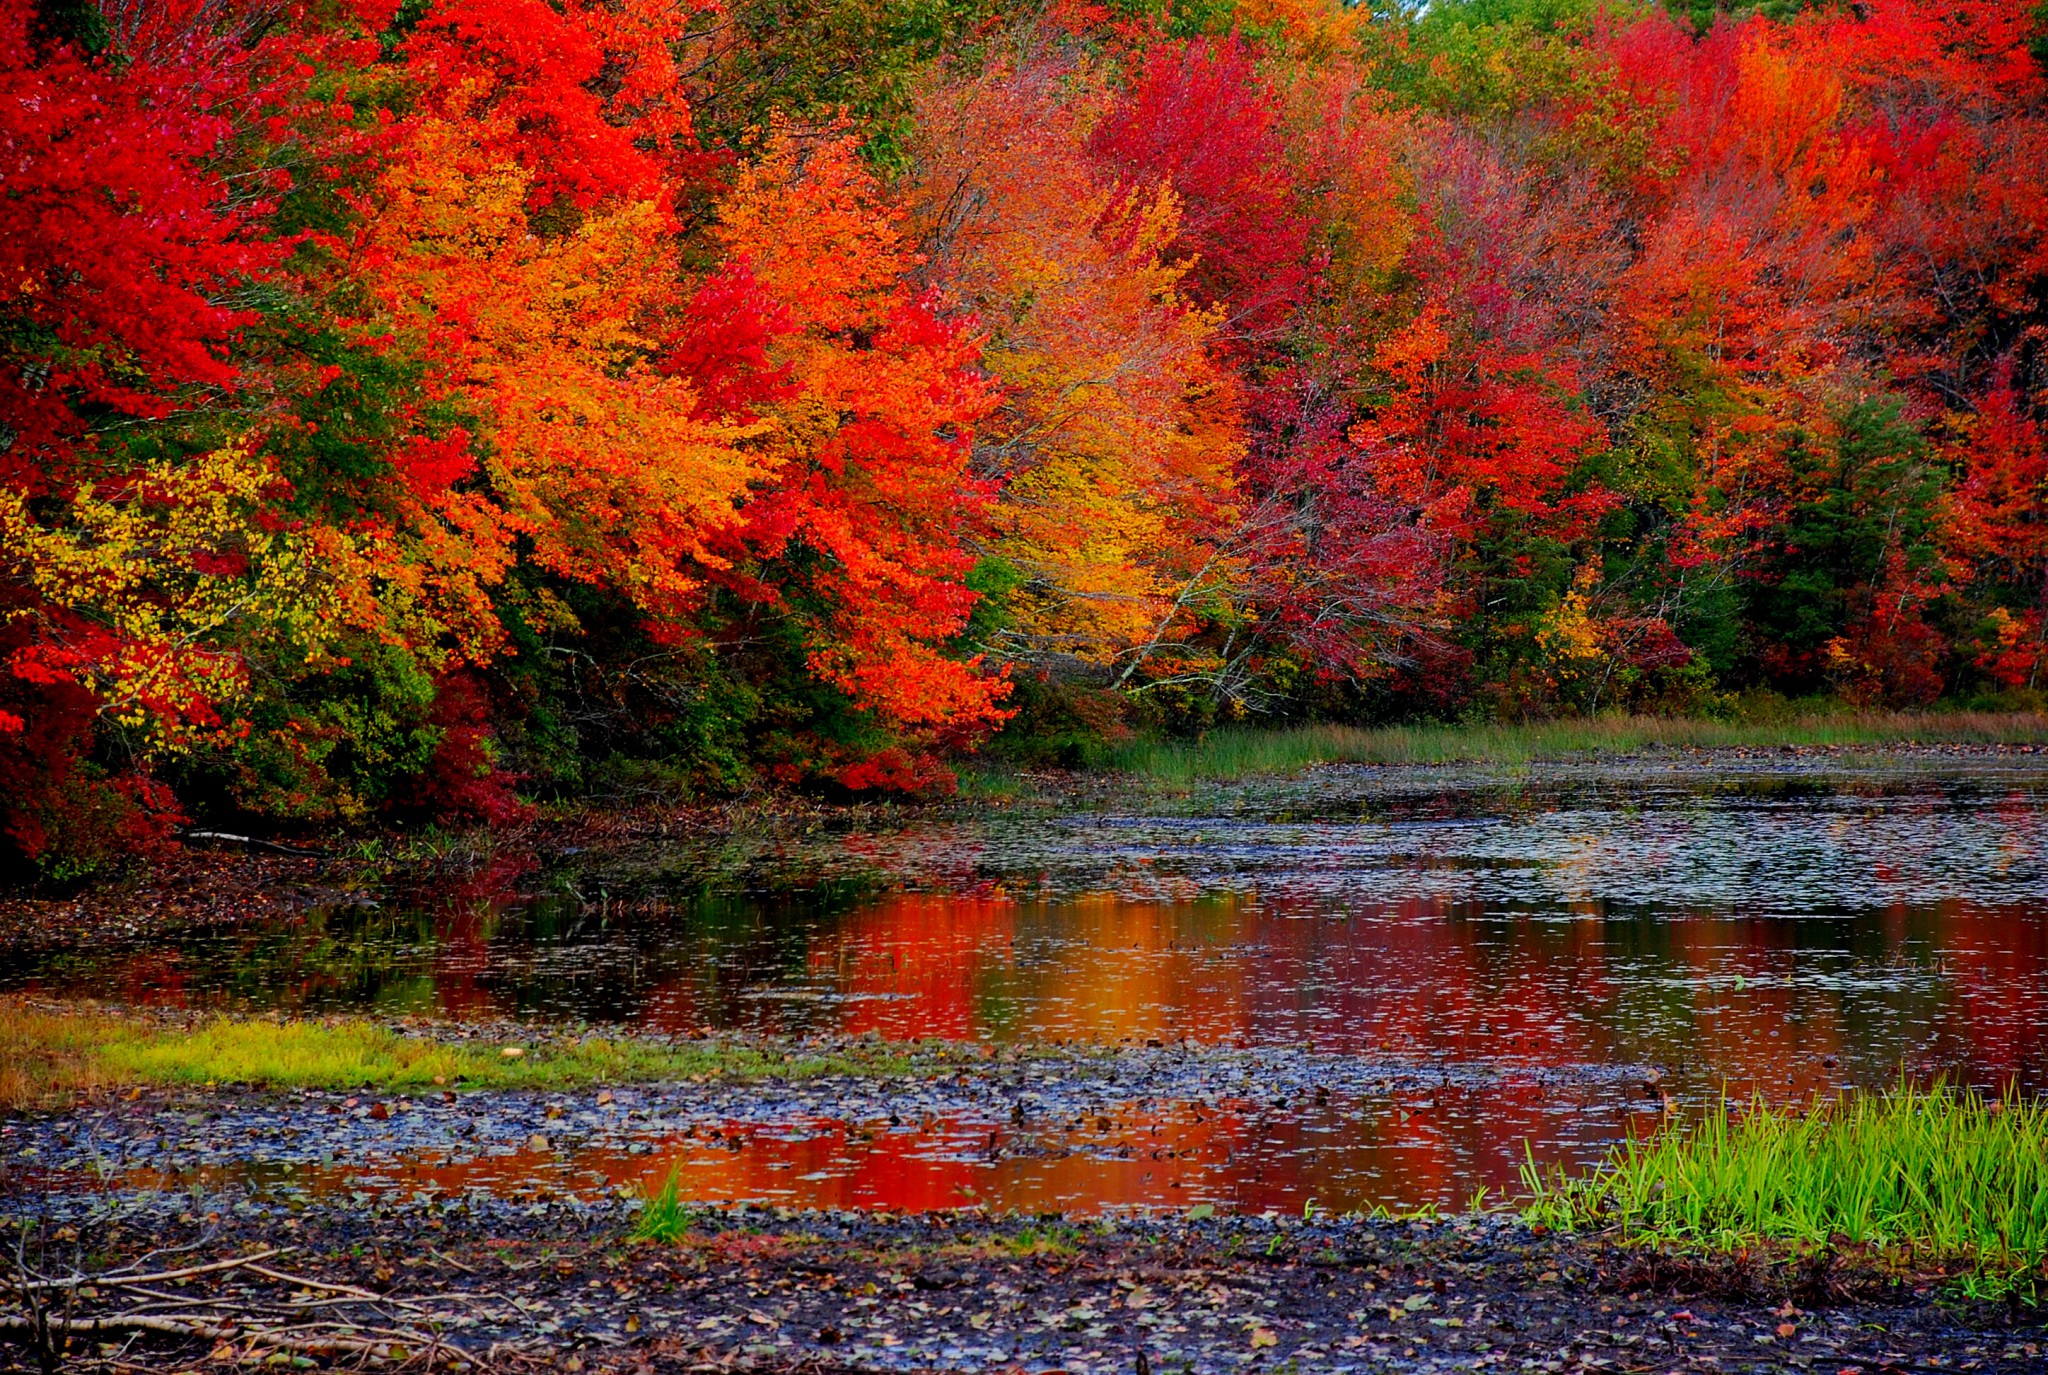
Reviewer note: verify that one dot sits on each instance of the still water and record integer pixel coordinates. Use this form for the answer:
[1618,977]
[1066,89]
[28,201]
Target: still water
[1359,987]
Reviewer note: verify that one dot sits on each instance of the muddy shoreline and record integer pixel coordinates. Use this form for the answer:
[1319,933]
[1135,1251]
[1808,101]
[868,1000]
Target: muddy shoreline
[440,1226]
[528,1286]
[538,1275]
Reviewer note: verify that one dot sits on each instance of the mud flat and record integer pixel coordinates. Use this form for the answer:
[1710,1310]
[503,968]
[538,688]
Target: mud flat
[489,1284]
[1240,1077]
[500,1230]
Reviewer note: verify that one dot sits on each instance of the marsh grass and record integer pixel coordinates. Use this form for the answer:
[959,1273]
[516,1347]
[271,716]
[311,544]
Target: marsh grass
[664,1217]
[1245,753]
[1935,1176]
[46,1054]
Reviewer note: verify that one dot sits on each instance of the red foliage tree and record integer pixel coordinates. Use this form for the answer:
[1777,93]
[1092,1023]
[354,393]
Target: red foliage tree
[1198,117]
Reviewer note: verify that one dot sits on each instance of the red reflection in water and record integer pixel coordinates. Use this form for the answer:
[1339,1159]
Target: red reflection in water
[467,914]
[1172,1155]
[1789,1007]
[1768,1001]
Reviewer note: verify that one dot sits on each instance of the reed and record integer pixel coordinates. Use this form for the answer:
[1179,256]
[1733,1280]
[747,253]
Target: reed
[1246,753]
[1940,1177]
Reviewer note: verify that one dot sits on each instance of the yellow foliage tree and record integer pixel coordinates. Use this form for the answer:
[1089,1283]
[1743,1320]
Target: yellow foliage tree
[1117,434]
[161,590]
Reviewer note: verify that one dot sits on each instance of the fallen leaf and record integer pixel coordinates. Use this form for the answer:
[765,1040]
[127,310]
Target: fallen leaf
[1264,1336]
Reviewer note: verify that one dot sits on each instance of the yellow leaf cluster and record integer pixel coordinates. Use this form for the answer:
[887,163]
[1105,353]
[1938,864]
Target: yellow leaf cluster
[1570,637]
[160,591]
[1118,432]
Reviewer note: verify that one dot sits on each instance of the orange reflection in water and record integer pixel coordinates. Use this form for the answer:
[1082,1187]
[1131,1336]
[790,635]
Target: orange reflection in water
[1764,1001]
[1238,1156]
[1948,986]
[1551,1003]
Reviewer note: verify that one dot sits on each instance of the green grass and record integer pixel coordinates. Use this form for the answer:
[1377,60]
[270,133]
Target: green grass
[46,1054]
[1244,753]
[1935,1177]
[665,1218]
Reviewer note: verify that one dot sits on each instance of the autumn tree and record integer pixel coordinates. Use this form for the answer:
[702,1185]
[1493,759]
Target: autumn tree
[858,541]
[1114,443]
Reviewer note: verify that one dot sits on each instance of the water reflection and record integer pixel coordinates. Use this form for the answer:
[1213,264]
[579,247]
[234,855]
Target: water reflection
[1789,933]
[1338,1154]
[1950,985]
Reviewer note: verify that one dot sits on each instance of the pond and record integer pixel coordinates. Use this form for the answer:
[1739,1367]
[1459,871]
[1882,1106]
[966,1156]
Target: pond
[1360,987]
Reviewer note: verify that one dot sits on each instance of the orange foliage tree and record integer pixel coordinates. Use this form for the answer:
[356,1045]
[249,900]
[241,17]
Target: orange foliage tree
[860,535]
[1114,443]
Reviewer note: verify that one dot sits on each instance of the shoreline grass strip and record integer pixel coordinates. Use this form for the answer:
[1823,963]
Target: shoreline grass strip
[46,1054]
[1244,753]
[1946,1176]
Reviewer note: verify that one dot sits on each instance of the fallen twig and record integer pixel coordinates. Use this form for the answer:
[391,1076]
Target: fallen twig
[117,1279]
[330,1288]
[450,1260]
[191,1326]
[248,842]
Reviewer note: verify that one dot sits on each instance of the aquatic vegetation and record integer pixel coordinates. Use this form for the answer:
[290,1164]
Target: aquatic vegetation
[1243,753]
[46,1054]
[1941,1176]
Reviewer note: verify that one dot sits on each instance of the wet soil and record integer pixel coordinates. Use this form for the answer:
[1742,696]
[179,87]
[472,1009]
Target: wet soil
[560,1286]
[532,1264]
[940,1126]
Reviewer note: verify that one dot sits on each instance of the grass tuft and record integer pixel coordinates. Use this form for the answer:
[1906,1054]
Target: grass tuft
[665,1219]
[45,1054]
[1944,1177]
[1245,753]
